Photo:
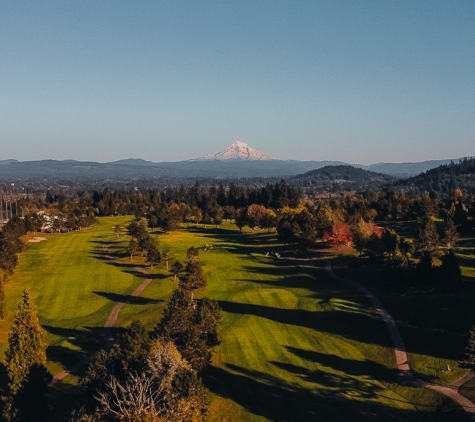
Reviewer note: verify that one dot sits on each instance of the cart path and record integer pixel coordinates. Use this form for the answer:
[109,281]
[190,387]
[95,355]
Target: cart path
[110,321]
[449,390]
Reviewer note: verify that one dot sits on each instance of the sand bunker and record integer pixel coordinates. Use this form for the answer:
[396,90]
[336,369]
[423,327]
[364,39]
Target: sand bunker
[36,239]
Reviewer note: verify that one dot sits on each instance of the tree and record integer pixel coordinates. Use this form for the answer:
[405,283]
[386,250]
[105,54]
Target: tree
[450,269]
[193,279]
[166,256]
[26,344]
[153,254]
[255,214]
[132,249]
[450,234]
[469,361]
[166,390]
[240,218]
[128,355]
[192,328]
[269,220]
[338,234]
[192,254]
[174,218]
[427,239]
[3,303]
[31,401]
[176,269]
[117,230]
[177,315]
[284,231]
[138,229]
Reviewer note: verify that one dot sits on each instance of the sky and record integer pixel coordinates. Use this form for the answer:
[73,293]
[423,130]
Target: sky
[356,81]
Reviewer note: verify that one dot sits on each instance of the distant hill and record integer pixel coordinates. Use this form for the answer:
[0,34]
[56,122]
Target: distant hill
[404,170]
[133,162]
[444,179]
[339,178]
[239,160]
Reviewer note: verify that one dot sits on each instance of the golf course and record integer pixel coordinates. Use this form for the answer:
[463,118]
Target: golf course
[296,343]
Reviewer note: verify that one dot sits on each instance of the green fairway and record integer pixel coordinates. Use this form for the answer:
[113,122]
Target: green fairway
[296,344]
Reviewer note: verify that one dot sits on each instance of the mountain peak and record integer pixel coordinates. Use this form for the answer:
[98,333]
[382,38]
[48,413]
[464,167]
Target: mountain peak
[240,151]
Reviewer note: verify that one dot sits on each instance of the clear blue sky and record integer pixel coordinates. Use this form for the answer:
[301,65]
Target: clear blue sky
[357,81]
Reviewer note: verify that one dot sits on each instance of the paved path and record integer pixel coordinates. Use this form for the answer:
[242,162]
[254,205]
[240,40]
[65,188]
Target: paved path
[450,390]
[110,321]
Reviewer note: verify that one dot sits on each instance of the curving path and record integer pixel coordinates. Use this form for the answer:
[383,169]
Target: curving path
[111,320]
[402,361]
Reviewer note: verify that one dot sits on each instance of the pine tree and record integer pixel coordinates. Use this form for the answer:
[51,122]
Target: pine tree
[450,234]
[3,302]
[469,361]
[427,239]
[450,269]
[31,401]
[26,344]
[193,279]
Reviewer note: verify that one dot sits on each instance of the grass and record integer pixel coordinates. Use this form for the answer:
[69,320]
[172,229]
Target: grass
[434,326]
[296,344]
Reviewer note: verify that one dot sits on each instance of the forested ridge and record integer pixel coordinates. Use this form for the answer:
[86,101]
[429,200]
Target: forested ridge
[444,179]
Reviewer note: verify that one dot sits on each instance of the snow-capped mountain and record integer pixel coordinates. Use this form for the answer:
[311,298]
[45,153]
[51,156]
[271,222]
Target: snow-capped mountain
[240,151]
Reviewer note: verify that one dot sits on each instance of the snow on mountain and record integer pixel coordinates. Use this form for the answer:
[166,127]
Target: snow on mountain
[239,151]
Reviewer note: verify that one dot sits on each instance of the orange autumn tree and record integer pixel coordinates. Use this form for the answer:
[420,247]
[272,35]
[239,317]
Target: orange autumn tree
[365,234]
[255,214]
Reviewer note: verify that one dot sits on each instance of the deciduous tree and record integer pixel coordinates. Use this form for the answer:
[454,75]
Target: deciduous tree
[339,233]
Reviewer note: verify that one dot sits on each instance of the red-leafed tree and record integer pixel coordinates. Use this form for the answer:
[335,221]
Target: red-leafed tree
[339,233]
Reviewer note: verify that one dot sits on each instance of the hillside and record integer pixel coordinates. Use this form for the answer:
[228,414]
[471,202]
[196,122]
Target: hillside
[444,179]
[339,178]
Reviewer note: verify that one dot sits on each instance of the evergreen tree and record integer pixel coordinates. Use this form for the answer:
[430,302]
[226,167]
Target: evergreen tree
[132,249]
[450,234]
[26,344]
[176,317]
[176,268]
[192,254]
[469,361]
[127,355]
[193,279]
[3,303]
[424,268]
[450,269]
[31,401]
[427,239]
[153,254]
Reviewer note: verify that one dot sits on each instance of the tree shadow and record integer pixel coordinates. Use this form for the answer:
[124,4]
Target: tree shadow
[332,397]
[128,299]
[349,323]
[349,366]
[85,341]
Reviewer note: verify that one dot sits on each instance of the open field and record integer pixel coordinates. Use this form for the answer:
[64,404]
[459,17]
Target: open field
[296,344]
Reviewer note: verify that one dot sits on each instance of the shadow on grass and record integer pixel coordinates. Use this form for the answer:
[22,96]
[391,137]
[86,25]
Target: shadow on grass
[332,398]
[350,324]
[432,325]
[349,366]
[64,398]
[129,299]
[85,342]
